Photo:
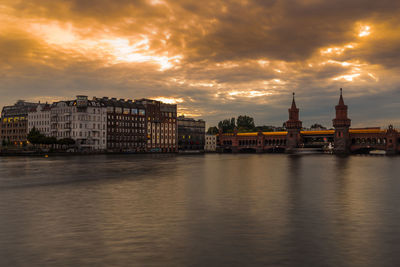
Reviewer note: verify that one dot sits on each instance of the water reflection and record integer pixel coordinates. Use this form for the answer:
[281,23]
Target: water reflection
[219,210]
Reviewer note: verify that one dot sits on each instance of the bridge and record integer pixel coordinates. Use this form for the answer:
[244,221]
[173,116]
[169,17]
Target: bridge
[342,139]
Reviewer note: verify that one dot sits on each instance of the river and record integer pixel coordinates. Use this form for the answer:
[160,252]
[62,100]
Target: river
[200,210]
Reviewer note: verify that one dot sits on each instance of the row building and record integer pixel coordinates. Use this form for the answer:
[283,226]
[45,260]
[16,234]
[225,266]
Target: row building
[105,124]
[82,120]
[161,125]
[191,134]
[126,131]
[14,122]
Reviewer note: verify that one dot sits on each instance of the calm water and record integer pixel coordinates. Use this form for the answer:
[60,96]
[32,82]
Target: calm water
[208,210]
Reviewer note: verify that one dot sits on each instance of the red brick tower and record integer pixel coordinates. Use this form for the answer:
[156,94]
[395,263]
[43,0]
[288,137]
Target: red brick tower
[342,125]
[293,126]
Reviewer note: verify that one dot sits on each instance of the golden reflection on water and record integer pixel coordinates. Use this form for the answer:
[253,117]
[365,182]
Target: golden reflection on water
[244,209]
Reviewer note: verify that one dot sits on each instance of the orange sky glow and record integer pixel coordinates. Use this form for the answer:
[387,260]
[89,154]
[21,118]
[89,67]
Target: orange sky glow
[215,59]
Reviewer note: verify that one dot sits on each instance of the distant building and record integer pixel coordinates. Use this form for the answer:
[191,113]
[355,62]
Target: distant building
[14,122]
[211,143]
[191,134]
[82,120]
[39,118]
[161,125]
[126,125]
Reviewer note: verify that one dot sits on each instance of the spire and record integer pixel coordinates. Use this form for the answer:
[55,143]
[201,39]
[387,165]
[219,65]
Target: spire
[341,102]
[341,119]
[293,102]
[293,121]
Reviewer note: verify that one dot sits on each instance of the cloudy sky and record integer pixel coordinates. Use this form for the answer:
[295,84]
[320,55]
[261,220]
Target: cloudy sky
[215,59]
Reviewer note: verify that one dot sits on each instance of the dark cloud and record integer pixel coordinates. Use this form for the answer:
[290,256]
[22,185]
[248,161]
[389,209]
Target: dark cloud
[228,50]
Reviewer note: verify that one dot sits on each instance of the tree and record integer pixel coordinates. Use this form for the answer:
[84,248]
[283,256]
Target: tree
[212,130]
[35,137]
[317,126]
[233,123]
[50,140]
[245,123]
[264,128]
[227,125]
[66,141]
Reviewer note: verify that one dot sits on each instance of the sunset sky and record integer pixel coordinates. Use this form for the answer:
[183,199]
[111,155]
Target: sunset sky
[216,59]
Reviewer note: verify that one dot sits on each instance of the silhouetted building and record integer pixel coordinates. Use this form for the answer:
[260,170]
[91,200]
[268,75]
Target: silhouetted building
[14,122]
[191,134]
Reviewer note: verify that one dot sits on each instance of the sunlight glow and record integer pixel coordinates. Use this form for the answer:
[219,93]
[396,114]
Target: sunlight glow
[343,63]
[337,50]
[202,84]
[249,94]
[169,100]
[139,52]
[54,33]
[116,49]
[189,112]
[156,2]
[364,31]
[348,77]
[263,63]
[373,77]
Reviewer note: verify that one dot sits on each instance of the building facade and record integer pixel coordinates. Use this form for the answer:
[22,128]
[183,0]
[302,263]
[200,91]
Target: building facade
[14,122]
[191,134]
[82,120]
[210,143]
[161,125]
[126,125]
[39,118]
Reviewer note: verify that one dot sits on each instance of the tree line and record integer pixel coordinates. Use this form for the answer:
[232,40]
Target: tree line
[35,137]
[244,124]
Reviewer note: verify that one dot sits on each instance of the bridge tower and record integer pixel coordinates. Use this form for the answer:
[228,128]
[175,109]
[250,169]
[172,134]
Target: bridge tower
[342,125]
[293,126]
[391,140]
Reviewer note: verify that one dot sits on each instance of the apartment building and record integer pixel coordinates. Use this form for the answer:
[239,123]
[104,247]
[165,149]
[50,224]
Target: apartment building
[211,143]
[126,125]
[161,125]
[82,120]
[191,134]
[14,122]
[39,118]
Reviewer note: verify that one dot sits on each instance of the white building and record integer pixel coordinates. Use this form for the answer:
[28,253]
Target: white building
[39,118]
[211,143]
[82,120]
